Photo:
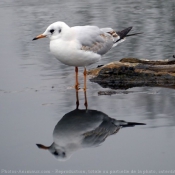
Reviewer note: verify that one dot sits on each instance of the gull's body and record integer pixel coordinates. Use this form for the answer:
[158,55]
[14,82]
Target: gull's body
[80,129]
[81,46]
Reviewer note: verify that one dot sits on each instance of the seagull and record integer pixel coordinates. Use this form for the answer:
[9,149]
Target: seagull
[81,46]
[80,129]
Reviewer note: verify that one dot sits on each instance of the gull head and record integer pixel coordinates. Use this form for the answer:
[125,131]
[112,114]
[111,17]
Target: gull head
[54,31]
[60,153]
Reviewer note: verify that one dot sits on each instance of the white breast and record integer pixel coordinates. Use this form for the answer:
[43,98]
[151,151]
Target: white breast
[68,52]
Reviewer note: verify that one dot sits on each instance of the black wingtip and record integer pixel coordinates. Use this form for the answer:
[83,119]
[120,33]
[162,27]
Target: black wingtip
[135,124]
[34,39]
[132,124]
[124,32]
[132,34]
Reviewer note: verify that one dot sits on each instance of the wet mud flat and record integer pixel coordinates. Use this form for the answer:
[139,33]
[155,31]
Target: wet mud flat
[133,72]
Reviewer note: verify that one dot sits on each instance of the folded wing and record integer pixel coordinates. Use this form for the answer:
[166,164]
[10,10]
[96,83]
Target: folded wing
[92,38]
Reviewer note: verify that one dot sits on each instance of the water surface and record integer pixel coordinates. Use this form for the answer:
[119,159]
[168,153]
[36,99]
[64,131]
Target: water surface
[35,89]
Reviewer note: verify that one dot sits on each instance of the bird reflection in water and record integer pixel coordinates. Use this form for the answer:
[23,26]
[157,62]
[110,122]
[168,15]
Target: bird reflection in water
[82,128]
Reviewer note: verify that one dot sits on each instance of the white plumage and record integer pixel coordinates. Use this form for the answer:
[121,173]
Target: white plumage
[80,45]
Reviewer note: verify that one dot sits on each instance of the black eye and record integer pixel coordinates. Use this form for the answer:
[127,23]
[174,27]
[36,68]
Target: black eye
[55,153]
[59,31]
[51,31]
[64,154]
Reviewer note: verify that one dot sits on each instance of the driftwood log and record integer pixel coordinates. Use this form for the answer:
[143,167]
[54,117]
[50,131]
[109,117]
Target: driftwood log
[132,72]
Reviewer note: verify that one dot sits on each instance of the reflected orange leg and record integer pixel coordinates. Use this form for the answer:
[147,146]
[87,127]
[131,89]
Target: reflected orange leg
[77,100]
[85,103]
[76,79]
[85,75]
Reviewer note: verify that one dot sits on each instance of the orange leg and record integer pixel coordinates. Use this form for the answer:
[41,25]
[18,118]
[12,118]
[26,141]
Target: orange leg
[76,79]
[85,75]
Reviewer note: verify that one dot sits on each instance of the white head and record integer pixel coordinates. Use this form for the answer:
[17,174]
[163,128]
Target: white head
[60,153]
[54,31]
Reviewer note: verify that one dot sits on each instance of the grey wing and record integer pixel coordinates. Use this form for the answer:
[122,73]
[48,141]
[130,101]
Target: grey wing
[92,38]
[97,136]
